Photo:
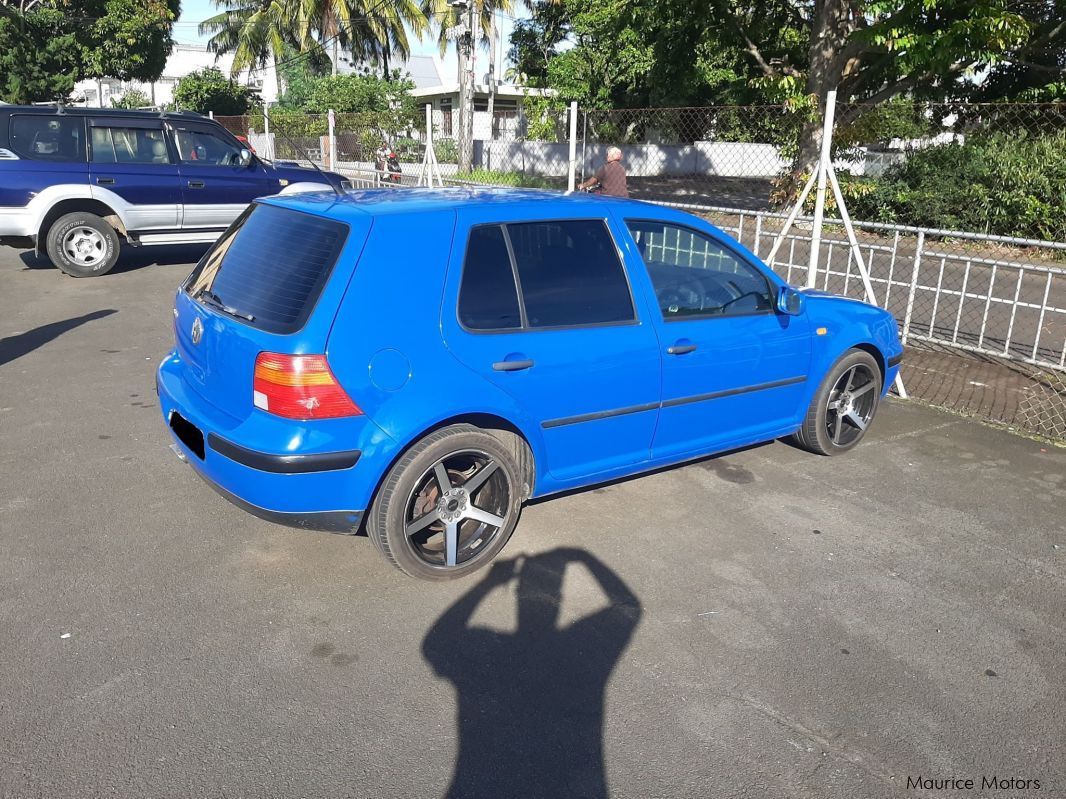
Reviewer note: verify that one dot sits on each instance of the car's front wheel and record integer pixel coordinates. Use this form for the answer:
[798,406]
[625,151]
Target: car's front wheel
[82,245]
[843,406]
[449,504]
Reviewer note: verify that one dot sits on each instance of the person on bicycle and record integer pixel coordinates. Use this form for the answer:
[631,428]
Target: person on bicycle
[611,177]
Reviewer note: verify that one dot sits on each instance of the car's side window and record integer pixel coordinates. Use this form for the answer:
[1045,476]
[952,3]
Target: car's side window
[47,138]
[693,275]
[570,273]
[206,147]
[116,145]
[488,297]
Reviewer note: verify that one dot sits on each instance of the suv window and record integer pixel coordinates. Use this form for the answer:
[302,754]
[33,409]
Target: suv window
[206,147]
[128,146]
[488,297]
[693,275]
[269,267]
[47,138]
[570,273]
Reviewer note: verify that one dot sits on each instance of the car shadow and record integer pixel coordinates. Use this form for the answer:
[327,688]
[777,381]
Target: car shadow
[13,347]
[714,463]
[133,257]
[531,702]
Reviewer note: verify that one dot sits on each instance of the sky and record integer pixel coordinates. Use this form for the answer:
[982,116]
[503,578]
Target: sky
[195,11]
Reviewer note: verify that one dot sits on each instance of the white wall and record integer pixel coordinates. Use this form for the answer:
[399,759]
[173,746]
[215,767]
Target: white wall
[182,60]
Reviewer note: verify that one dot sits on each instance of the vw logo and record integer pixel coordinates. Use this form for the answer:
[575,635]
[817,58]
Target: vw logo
[197,331]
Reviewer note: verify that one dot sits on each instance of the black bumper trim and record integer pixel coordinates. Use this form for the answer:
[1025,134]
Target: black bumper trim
[344,522]
[895,360]
[284,464]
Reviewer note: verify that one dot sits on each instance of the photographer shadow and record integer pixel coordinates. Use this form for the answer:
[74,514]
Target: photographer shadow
[531,702]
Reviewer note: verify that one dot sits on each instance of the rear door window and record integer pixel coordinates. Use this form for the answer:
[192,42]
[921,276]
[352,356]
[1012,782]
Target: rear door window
[269,268]
[48,138]
[115,145]
[488,297]
[570,273]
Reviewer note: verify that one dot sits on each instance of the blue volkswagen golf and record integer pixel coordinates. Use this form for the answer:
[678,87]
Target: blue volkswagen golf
[424,362]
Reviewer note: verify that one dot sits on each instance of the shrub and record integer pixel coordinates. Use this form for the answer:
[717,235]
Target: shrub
[134,98]
[209,90]
[998,184]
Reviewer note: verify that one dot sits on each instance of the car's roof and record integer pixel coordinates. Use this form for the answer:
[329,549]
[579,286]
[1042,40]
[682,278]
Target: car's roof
[380,202]
[79,111]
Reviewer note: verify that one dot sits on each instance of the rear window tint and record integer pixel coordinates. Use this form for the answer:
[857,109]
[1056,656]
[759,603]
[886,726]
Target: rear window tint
[270,265]
[488,298]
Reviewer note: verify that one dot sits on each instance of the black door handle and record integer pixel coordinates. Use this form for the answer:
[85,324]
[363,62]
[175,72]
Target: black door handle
[105,181]
[196,184]
[511,366]
[681,349]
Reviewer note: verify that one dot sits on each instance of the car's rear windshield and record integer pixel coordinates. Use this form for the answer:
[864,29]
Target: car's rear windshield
[269,267]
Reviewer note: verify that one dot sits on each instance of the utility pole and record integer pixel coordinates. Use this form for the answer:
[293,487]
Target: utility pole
[492,77]
[466,85]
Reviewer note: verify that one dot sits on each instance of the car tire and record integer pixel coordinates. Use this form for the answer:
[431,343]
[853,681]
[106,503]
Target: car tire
[82,245]
[843,406]
[438,526]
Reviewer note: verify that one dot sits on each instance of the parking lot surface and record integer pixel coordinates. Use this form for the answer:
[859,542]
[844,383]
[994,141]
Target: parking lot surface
[766,623]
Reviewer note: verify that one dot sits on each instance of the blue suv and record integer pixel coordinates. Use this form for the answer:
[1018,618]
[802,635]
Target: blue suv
[423,362]
[81,182]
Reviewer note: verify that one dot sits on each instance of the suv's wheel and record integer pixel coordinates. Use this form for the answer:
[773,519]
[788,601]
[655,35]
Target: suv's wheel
[449,504]
[843,406]
[82,244]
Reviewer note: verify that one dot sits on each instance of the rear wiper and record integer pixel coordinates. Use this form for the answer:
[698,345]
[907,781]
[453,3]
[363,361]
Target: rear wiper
[215,301]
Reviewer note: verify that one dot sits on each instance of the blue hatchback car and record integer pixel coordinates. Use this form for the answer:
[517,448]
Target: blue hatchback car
[423,362]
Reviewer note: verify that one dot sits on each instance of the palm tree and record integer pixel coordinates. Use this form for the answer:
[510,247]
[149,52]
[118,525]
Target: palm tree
[258,31]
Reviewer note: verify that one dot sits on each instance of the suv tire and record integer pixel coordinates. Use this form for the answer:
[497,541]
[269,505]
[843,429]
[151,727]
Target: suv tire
[82,245]
[426,498]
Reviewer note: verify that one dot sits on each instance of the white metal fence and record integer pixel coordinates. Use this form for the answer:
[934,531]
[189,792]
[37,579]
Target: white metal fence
[988,294]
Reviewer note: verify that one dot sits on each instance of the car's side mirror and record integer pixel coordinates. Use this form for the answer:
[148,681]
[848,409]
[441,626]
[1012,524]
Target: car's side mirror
[245,157]
[789,301]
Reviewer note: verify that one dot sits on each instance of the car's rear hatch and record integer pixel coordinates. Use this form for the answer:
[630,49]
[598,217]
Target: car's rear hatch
[272,283]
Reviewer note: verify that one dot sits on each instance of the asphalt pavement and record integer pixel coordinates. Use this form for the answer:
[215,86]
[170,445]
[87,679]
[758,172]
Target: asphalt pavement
[763,624]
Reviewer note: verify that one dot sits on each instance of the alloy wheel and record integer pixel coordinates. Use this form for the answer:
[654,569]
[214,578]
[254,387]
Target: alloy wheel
[457,508]
[851,405]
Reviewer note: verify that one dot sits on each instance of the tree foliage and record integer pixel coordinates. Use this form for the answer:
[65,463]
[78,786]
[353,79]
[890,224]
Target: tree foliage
[208,90]
[45,48]
[134,99]
[695,52]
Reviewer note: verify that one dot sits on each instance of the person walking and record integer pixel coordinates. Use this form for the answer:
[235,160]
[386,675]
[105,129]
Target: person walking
[611,177]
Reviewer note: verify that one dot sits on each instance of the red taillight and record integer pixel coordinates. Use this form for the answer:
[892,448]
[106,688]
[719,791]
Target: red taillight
[299,387]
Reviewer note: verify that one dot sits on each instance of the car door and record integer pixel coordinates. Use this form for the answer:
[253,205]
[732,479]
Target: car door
[733,369]
[131,166]
[543,310]
[216,187]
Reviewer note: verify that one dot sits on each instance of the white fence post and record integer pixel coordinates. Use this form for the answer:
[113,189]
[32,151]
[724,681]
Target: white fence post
[269,148]
[332,139]
[571,181]
[819,200]
[913,287]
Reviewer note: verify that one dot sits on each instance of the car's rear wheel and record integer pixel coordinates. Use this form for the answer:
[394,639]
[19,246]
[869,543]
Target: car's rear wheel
[449,504]
[82,245]
[843,407]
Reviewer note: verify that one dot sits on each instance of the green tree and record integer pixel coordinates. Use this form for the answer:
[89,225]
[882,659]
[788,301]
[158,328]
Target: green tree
[134,98]
[209,90]
[47,46]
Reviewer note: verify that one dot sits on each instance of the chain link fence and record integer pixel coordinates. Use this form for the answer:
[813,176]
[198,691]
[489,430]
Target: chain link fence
[915,174]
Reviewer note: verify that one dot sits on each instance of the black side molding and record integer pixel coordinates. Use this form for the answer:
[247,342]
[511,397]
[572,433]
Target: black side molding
[284,464]
[895,360]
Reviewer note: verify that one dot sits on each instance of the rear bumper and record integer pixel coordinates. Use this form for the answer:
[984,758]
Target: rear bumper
[344,522]
[276,469]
